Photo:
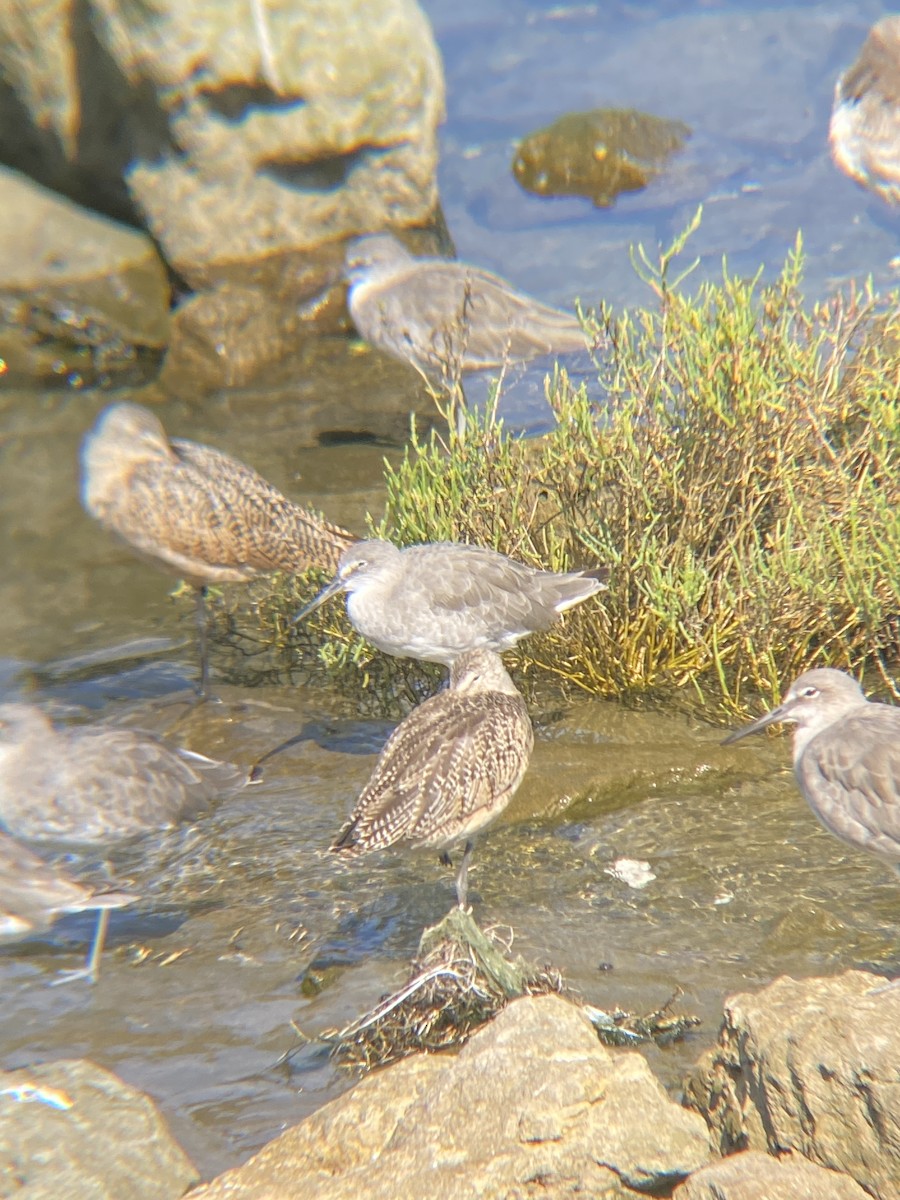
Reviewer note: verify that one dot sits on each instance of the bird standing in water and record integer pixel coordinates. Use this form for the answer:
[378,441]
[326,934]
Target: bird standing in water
[195,512]
[865,122]
[92,785]
[436,600]
[446,317]
[449,768]
[33,894]
[846,758]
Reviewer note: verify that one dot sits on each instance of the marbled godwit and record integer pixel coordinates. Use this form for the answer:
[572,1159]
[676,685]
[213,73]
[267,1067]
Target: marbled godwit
[196,513]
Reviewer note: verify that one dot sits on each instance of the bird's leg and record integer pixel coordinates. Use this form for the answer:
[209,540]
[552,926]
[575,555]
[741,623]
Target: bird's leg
[203,641]
[462,878]
[91,968]
[444,859]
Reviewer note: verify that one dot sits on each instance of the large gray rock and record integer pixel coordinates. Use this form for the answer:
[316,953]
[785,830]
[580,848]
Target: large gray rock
[70,1129]
[83,277]
[533,1103]
[757,1176]
[240,143]
[810,1066]
[251,146]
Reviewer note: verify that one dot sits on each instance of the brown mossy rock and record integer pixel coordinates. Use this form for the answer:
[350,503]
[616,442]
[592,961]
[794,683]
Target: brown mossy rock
[757,1176]
[531,1104]
[809,1066]
[77,276]
[70,1129]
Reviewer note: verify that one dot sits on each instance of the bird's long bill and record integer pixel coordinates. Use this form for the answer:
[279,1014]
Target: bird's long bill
[781,713]
[329,590]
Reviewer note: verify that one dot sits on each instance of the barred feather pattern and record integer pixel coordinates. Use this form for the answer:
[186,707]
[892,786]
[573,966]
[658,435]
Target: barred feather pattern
[194,511]
[450,767]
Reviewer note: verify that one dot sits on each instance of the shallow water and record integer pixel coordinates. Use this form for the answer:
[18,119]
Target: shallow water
[246,925]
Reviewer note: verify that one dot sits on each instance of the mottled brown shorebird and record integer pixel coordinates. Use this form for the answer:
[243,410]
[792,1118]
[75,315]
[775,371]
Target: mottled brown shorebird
[448,317]
[88,784]
[449,768]
[865,121]
[439,599]
[195,512]
[846,758]
[34,893]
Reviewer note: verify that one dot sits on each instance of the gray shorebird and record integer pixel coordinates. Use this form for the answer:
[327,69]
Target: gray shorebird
[438,599]
[865,122]
[448,768]
[846,758]
[197,513]
[448,317]
[88,784]
[33,894]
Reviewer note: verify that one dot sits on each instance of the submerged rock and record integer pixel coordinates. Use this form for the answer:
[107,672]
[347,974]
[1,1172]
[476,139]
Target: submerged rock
[809,1066]
[70,1129]
[532,1103]
[597,154]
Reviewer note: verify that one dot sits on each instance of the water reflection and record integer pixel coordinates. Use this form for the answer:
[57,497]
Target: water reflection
[247,924]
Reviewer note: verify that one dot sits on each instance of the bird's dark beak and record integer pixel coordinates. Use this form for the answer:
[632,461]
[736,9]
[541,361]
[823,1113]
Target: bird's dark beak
[781,713]
[326,593]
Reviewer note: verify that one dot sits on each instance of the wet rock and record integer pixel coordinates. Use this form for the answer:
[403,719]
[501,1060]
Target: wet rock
[597,154]
[757,1176]
[75,277]
[809,1066]
[237,141]
[70,1129]
[251,149]
[533,1102]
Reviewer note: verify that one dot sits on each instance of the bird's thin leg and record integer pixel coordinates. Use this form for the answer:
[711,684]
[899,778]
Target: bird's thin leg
[462,878]
[91,968]
[203,641]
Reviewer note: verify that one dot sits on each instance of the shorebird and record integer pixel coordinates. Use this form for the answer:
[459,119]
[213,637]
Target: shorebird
[846,758]
[33,894]
[88,784]
[448,317]
[194,511]
[438,599]
[865,122]
[448,768]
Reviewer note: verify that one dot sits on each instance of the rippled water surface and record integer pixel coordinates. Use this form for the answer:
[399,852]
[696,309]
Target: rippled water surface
[246,925]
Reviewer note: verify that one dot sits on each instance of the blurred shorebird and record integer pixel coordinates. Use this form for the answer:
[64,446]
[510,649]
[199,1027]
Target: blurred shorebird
[33,894]
[195,512]
[438,599]
[448,317]
[448,768]
[846,758]
[865,121]
[88,784]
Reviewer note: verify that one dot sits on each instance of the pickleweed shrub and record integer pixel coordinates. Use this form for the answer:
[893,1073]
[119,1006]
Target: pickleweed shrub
[737,465]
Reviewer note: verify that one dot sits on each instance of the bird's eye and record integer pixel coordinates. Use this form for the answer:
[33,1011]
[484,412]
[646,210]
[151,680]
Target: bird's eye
[809,692]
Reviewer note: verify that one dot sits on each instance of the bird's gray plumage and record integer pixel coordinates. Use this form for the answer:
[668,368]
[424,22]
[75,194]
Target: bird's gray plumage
[90,784]
[435,601]
[846,758]
[33,894]
[865,121]
[444,316]
[449,768]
